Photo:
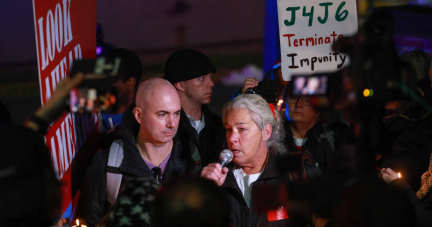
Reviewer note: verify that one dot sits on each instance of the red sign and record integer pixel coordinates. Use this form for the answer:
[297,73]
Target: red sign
[65,31]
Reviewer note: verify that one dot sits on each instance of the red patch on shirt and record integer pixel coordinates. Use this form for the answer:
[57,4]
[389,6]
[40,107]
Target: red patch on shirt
[278,214]
[198,162]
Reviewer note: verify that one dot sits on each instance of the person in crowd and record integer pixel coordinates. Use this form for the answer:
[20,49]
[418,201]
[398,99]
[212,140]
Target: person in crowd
[408,128]
[305,132]
[191,72]
[421,200]
[148,147]
[126,85]
[30,190]
[254,134]
[191,201]
[134,206]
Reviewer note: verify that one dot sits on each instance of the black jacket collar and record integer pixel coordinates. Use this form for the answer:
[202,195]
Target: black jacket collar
[270,172]
[211,139]
[187,127]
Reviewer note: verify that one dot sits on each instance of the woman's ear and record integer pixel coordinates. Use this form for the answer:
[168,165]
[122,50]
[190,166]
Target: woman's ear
[267,132]
[137,114]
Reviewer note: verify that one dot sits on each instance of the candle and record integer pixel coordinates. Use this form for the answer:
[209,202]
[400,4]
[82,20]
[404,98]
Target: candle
[399,175]
[78,224]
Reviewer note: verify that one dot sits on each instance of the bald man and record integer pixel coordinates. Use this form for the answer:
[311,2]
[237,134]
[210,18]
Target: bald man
[148,146]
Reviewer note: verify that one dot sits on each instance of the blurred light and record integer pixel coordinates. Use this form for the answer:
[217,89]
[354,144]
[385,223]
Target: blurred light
[370,92]
[99,50]
[277,65]
[280,101]
[366,92]
[399,175]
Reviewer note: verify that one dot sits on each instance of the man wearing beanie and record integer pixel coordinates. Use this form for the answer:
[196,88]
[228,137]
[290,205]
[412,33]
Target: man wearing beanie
[191,71]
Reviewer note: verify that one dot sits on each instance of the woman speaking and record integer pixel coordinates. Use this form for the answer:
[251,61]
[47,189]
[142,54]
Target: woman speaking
[254,134]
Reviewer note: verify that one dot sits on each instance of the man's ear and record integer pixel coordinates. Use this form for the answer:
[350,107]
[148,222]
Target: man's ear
[137,112]
[131,82]
[179,86]
[267,132]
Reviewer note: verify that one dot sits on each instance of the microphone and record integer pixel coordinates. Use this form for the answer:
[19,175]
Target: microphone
[225,157]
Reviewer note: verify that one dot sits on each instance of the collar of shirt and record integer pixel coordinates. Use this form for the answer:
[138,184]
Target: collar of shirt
[197,125]
[162,165]
[245,181]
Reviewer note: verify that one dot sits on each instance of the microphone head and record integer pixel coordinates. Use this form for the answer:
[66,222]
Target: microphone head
[226,154]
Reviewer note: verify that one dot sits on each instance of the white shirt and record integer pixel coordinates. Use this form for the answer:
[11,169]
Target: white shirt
[198,126]
[245,183]
[299,142]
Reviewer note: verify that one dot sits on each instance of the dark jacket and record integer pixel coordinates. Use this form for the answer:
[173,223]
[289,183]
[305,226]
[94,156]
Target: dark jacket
[318,144]
[421,207]
[93,203]
[410,151]
[408,137]
[210,142]
[263,197]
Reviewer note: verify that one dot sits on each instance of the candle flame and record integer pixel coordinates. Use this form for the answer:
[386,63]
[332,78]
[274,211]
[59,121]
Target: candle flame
[399,175]
[280,101]
[77,221]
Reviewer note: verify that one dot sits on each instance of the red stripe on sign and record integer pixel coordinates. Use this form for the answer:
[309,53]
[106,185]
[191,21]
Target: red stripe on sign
[278,214]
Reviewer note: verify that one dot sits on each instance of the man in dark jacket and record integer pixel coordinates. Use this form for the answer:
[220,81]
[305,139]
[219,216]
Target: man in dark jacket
[148,144]
[409,135]
[191,73]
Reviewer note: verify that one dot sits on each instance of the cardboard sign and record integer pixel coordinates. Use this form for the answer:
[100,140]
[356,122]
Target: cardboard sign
[307,31]
[65,31]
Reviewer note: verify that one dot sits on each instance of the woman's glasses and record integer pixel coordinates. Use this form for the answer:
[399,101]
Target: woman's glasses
[306,101]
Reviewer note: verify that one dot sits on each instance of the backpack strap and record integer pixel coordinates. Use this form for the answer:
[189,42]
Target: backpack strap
[113,174]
